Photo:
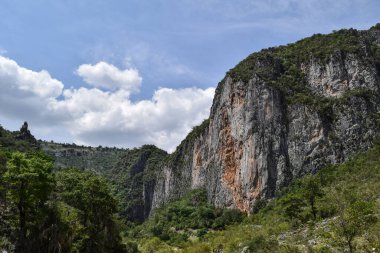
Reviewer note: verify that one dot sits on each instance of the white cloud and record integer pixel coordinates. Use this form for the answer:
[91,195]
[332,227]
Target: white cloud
[105,75]
[96,117]
[164,120]
[27,82]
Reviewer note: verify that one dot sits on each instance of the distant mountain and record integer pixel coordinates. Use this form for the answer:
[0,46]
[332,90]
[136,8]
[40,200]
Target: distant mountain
[131,171]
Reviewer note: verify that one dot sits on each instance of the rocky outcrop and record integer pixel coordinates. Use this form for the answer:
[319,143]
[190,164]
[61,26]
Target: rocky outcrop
[25,135]
[280,114]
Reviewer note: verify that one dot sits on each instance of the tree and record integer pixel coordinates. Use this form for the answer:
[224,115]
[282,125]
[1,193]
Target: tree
[312,190]
[355,213]
[293,204]
[155,245]
[3,163]
[90,196]
[354,219]
[29,182]
[4,226]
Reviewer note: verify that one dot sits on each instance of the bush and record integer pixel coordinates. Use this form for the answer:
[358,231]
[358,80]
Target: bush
[228,217]
[155,245]
[262,243]
[174,222]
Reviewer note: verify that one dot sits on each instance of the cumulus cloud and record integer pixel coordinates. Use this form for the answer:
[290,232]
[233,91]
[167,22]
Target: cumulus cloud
[105,75]
[92,116]
[164,120]
[27,82]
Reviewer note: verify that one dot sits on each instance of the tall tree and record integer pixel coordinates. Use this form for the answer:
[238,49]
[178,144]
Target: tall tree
[90,195]
[311,191]
[29,182]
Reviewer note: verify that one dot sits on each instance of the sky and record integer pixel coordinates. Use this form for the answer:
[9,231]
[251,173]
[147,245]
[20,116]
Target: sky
[130,72]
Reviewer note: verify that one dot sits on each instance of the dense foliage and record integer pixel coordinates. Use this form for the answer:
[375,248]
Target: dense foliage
[28,183]
[71,211]
[130,171]
[180,221]
[46,211]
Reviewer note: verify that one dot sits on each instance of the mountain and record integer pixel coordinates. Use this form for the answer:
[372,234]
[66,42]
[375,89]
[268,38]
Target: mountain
[280,114]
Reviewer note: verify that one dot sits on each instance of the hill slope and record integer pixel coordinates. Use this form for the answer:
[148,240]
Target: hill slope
[131,171]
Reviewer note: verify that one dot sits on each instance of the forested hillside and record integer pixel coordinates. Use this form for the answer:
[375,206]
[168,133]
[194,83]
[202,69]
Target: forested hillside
[132,172]
[44,211]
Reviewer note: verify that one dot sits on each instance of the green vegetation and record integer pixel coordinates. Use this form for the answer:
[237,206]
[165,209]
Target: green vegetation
[17,141]
[194,133]
[85,200]
[28,184]
[375,27]
[181,221]
[281,67]
[71,211]
[43,211]
[335,209]
[129,171]
[272,63]
[134,174]
[376,51]
[198,130]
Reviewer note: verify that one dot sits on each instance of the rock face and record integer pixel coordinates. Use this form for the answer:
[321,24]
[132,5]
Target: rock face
[278,115]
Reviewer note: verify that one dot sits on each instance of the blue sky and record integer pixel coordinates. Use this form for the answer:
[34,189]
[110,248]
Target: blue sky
[177,47]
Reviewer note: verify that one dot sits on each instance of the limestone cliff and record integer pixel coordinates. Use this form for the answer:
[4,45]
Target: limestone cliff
[279,114]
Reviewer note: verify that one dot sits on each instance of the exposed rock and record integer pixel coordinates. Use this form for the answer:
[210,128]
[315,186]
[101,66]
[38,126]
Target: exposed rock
[245,250]
[24,134]
[278,115]
[259,137]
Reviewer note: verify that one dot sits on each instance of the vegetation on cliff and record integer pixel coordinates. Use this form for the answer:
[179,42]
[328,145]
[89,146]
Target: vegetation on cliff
[333,210]
[281,67]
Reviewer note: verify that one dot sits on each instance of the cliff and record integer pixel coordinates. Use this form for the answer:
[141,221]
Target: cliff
[279,114]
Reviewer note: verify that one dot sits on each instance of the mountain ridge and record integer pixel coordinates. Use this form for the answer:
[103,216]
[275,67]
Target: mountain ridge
[279,114]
